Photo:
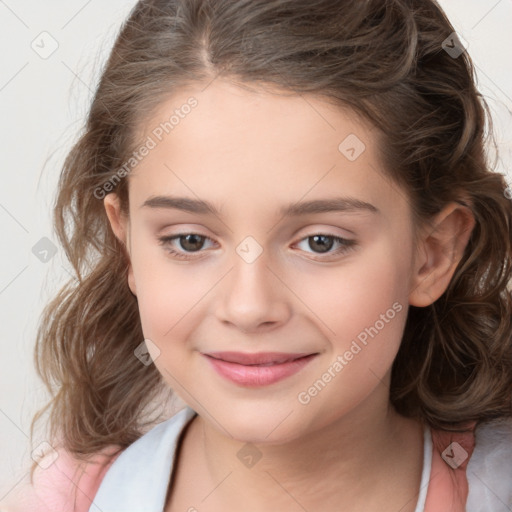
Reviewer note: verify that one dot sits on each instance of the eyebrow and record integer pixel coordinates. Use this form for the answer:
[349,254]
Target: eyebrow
[199,206]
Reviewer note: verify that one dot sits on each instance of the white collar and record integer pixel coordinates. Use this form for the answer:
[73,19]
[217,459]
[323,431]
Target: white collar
[427,468]
[138,479]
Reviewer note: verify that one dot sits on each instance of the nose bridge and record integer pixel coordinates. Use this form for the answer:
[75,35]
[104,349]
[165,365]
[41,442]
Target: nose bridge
[252,295]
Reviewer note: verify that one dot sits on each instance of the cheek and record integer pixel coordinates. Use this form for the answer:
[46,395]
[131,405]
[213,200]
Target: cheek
[362,310]
[353,295]
[169,294]
[361,313]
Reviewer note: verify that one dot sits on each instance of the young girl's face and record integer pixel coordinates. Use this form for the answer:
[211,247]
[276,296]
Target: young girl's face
[256,279]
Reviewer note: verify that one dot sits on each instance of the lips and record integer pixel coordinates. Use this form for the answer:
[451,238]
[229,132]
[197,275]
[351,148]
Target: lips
[256,359]
[258,369]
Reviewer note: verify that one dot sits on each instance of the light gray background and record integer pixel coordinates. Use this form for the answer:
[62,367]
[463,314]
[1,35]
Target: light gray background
[43,102]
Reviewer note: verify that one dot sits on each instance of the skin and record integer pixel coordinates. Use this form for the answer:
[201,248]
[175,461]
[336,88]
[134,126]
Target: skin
[250,153]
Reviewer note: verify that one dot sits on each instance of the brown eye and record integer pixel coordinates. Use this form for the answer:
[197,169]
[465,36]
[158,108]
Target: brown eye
[322,243]
[192,242]
[184,245]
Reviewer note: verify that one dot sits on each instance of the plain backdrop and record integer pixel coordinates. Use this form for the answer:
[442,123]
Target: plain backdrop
[52,53]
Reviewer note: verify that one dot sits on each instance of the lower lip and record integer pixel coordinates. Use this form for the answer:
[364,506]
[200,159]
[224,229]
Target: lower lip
[255,376]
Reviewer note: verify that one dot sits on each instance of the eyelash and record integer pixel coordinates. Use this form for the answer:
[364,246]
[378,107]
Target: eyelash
[347,245]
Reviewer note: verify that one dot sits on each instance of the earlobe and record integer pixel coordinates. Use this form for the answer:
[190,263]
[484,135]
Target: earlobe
[119,225]
[440,251]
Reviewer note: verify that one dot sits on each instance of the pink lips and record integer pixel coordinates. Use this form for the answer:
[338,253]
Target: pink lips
[259,369]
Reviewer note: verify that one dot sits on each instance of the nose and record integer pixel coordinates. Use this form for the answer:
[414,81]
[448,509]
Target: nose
[252,298]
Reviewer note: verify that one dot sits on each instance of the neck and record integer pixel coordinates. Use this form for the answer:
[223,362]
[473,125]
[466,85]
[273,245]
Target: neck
[366,456]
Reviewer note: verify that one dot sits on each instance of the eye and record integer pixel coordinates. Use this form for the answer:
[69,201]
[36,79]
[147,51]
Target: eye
[323,243]
[189,242]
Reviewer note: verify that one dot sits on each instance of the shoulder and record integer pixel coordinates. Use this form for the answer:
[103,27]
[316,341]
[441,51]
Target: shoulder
[60,483]
[489,471]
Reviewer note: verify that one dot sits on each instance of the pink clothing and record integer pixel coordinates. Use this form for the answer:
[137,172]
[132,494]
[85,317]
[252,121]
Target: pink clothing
[56,488]
[448,485]
[68,485]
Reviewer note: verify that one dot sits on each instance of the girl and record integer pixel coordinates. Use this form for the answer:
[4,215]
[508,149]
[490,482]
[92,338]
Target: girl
[282,211]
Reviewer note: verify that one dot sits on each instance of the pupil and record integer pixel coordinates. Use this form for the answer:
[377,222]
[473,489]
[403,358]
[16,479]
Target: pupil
[191,239]
[320,240]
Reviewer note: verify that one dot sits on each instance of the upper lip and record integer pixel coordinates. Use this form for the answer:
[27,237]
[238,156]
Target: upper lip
[256,357]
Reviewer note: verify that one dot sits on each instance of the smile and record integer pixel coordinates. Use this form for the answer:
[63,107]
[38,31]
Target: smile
[255,370]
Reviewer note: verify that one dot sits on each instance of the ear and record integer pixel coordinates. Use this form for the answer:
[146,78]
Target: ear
[121,227]
[439,251]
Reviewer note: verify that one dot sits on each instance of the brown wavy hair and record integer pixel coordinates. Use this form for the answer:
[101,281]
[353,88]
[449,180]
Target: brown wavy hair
[385,60]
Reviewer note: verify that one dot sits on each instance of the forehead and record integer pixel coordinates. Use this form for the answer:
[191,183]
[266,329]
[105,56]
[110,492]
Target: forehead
[264,122]
[257,147]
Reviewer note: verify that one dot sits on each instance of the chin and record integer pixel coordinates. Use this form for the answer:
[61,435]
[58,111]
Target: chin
[259,425]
